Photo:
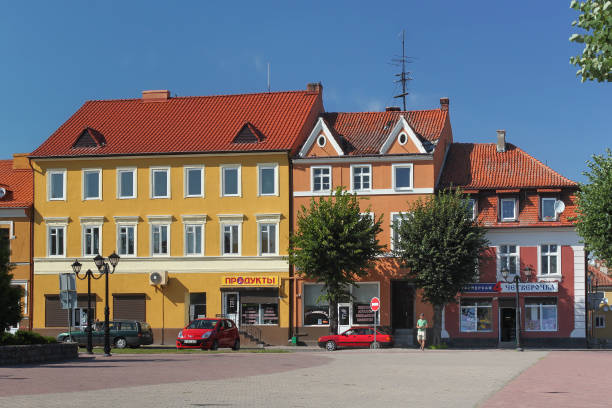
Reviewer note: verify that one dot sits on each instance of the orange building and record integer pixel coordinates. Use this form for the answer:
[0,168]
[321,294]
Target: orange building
[392,158]
[16,195]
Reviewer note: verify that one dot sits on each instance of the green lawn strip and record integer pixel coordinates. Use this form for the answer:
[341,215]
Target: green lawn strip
[154,350]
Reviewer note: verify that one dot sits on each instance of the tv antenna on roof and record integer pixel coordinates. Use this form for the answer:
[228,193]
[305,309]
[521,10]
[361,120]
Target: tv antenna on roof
[404,76]
[268,77]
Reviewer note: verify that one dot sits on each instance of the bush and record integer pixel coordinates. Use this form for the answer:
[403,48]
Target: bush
[441,346]
[24,338]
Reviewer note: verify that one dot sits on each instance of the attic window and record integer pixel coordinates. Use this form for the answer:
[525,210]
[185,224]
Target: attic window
[248,134]
[321,141]
[89,138]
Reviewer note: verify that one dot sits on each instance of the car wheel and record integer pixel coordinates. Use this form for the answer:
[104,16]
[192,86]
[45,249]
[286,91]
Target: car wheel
[236,345]
[375,345]
[215,345]
[67,339]
[120,343]
[330,345]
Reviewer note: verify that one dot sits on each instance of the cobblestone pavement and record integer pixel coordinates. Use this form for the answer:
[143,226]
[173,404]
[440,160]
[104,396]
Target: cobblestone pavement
[360,378]
[561,379]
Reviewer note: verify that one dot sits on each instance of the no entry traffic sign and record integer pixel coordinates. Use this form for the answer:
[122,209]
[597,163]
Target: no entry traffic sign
[375,304]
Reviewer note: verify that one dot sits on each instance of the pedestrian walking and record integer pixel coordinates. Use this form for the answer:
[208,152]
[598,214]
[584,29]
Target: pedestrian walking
[421,330]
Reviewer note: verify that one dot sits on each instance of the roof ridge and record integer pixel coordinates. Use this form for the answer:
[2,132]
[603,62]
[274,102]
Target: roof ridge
[373,112]
[207,96]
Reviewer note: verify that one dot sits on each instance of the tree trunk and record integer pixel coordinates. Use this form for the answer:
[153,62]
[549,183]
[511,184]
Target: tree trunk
[437,324]
[333,316]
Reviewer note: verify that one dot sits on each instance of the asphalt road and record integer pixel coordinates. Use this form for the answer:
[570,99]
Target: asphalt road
[360,378]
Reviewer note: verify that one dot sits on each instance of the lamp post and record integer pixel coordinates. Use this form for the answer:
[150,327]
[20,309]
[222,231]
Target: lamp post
[76,268]
[517,280]
[104,269]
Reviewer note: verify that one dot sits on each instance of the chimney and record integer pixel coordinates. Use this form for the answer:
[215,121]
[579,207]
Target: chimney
[315,87]
[444,104]
[501,141]
[20,161]
[392,109]
[161,95]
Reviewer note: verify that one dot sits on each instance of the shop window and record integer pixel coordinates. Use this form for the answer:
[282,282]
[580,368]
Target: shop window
[316,307]
[362,294]
[259,313]
[508,258]
[541,314]
[197,305]
[600,322]
[549,259]
[476,315]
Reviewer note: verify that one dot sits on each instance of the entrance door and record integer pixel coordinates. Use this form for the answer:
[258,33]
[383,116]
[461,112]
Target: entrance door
[345,316]
[507,324]
[231,306]
[402,305]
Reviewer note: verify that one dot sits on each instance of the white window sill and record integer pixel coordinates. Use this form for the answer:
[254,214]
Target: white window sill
[550,278]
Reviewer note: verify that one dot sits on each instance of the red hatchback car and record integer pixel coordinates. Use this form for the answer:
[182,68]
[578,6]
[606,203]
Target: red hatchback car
[357,337]
[209,334]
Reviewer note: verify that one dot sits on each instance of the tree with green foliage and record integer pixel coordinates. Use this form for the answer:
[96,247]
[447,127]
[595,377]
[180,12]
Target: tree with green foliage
[596,19]
[335,244]
[594,212]
[10,295]
[441,245]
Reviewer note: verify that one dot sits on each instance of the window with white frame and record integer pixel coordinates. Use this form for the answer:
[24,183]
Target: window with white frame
[160,182]
[402,176]
[91,239]
[193,239]
[508,258]
[396,221]
[56,184]
[5,243]
[547,209]
[92,184]
[316,306]
[508,209]
[369,216]
[126,240]
[160,239]
[476,315]
[230,180]
[267,239]
[472,208]
[194,181]
[267,179]
[231,239]
[57,241]
[24,294]
[541,314]
[549,259]
[126,183]
[362,176]
[321,178]
[600,322]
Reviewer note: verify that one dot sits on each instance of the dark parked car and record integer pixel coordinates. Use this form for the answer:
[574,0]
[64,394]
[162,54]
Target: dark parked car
[123,333]
[209,334]
[357,337]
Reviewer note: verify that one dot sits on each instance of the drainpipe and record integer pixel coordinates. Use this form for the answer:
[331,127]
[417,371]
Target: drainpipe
[31,216]
[291,270]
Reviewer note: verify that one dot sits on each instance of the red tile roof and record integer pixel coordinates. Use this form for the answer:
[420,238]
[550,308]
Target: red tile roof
[365,132]
[480,166]
[18,185]
[601,278]
[186,124]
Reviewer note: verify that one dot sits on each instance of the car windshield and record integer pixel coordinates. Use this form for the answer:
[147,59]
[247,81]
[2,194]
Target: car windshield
[203,324]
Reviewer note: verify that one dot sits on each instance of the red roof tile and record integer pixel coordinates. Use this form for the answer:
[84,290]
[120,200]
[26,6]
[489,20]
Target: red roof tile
[18,185]
[480,166]
[186,124]
[601,278]
[365,132]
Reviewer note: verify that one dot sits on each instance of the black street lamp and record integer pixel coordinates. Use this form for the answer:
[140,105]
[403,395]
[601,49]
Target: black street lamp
[517,280]
[76,268]
[103,268]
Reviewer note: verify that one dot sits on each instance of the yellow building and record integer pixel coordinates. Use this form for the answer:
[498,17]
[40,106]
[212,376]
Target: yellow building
[16,227]
[193,191]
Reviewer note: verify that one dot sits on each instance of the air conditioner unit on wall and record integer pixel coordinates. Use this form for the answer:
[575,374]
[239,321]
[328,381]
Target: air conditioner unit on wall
[158,278]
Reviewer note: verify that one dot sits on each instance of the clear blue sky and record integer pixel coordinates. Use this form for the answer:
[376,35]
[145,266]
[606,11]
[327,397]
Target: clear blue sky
[504,65]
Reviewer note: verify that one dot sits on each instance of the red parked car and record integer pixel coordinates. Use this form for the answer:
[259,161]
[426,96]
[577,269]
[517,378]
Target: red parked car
[209,334]
[357,337]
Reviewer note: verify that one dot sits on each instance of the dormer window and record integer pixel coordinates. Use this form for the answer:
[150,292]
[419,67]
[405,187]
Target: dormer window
[508,209]
[547,209]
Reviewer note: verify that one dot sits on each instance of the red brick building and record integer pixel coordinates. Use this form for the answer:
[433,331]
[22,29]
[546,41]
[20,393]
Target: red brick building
[526,207]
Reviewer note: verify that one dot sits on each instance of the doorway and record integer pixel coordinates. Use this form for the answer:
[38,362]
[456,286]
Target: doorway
[402,305]
[345,316]
[231,306]
[507,324]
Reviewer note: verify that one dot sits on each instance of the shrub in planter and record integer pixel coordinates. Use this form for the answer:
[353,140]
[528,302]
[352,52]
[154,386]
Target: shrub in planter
[24,338]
